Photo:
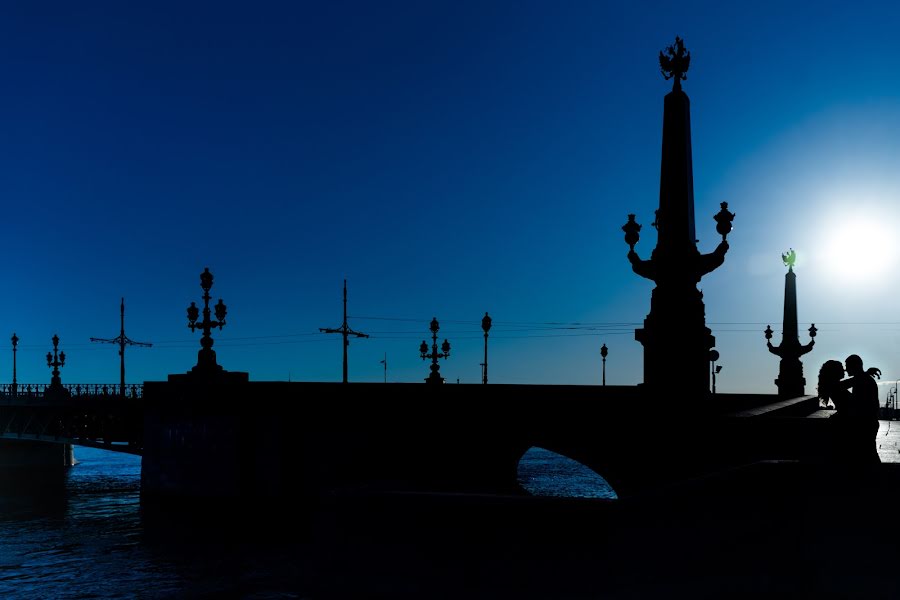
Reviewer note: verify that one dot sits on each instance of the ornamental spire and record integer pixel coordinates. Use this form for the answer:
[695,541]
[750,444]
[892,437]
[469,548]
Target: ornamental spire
[790,380]
[676,341]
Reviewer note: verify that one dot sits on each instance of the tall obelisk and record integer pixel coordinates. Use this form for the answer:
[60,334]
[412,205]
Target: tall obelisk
[676,340]
[790,380]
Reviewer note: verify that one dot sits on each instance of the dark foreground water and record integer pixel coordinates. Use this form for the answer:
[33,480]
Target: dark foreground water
[84,536]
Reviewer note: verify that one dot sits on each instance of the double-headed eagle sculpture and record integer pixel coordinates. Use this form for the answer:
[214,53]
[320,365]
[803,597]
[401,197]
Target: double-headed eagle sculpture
[674,62]
[789,258]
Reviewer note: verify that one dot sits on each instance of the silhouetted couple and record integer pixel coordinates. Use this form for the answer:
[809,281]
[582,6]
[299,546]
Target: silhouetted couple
[855,424]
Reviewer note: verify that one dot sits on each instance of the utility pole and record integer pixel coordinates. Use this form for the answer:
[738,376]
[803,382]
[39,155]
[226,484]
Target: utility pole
[345,331]
[122,340]
[384,362]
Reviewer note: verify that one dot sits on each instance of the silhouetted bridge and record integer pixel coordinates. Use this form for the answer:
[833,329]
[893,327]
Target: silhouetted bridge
[294,441]
[95,415]
[270,440]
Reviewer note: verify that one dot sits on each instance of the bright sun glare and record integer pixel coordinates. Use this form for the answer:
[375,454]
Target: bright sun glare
[859,250]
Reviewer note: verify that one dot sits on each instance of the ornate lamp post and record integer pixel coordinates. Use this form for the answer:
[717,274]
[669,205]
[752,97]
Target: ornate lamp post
[486,326]
[603,352]
[435,376]
[56,360]
[206,357]
[15,386]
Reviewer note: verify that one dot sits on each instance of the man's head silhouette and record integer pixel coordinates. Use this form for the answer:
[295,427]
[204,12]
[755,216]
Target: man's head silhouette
[854,365]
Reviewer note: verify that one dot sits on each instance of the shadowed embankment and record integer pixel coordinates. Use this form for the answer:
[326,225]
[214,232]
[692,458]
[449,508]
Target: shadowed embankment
[771,528]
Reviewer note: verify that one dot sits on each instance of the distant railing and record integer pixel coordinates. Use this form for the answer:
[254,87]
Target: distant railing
[38,390]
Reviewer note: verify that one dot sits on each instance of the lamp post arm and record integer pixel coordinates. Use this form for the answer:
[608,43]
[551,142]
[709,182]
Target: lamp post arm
[712,261]
[644,268]
[807,348]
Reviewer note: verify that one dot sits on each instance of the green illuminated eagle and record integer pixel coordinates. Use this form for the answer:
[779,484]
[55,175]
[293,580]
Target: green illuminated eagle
[789,258]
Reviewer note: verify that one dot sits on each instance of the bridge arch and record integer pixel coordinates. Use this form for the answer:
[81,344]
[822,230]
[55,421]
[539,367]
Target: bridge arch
[543,472]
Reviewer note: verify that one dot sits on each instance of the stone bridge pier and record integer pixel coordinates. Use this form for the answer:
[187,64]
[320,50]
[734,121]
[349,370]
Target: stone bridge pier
[28,455]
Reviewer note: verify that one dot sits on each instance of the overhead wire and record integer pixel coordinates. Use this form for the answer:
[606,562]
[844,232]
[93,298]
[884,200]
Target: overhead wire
[499,330]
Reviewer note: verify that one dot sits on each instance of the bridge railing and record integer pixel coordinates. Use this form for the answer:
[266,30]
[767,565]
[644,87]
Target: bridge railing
[76,390]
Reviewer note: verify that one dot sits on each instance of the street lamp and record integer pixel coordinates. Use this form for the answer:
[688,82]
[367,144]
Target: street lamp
[893,414]
[56,360]
[15,386]
[486,326]
[713,357]
[632,232]
[723,220]
[603,352]
[435,376]
[888,411]
[206,357]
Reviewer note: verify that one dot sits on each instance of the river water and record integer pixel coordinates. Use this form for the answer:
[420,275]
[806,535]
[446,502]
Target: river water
[83,536]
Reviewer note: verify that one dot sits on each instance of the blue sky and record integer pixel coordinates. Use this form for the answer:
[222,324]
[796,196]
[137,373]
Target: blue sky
[447,159]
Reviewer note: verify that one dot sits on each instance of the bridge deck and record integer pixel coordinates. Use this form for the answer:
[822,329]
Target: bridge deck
[888,436]
[889,441]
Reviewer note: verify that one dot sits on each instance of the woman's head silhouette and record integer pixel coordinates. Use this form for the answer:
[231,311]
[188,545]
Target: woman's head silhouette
[830,374]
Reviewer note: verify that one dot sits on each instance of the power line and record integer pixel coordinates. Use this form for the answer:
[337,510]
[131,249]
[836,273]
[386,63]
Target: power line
[409,334]
[345,331]
[503,329]
[507,323]
[577,324]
